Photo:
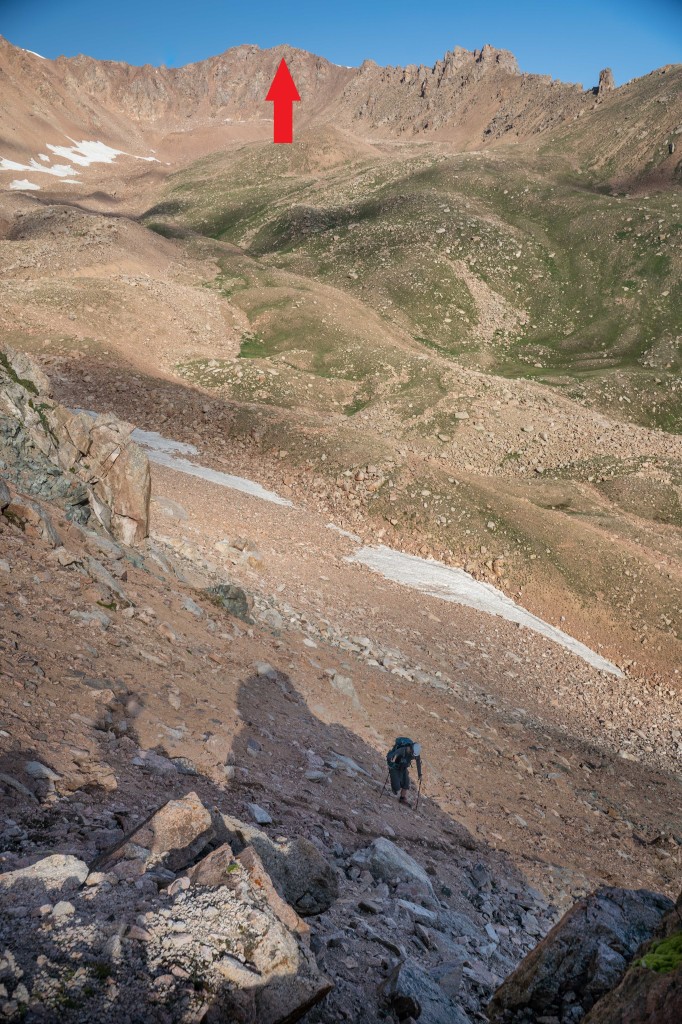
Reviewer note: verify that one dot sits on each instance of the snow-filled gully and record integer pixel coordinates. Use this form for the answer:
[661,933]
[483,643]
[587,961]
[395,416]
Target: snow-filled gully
[426,576]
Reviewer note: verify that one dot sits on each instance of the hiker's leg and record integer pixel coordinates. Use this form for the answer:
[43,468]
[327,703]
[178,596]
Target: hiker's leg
[404,786]
[395,779]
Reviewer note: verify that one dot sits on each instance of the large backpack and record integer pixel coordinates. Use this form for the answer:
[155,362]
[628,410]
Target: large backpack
[403,742]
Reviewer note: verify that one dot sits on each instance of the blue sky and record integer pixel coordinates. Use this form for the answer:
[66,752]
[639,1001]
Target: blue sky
[570,40]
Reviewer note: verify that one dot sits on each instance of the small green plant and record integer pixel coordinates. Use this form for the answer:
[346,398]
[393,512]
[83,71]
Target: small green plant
[664,956]
[101,969]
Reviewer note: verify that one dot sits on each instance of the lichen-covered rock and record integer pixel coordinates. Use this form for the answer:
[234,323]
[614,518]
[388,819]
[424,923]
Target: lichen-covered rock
[583,956]
[233,599]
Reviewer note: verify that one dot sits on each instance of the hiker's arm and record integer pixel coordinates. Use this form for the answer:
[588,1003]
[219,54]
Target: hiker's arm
[390,757]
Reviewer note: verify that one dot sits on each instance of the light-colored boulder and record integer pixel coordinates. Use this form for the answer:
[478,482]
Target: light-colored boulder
[172,837]
[58,874]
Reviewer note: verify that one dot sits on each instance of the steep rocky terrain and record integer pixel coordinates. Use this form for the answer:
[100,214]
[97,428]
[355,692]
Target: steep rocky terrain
[446,323]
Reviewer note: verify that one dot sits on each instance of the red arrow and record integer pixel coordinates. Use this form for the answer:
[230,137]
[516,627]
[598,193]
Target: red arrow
[283,93]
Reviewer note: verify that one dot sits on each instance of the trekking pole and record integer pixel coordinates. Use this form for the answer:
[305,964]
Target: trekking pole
[419,793]
[388,773]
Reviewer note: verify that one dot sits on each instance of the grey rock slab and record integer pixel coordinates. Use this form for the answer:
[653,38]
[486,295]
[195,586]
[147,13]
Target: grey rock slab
[37,770]
[388,863]
[420,914]
[259,814]
[192,607]
[412,993]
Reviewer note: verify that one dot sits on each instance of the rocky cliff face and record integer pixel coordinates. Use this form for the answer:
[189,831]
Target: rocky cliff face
[103,473]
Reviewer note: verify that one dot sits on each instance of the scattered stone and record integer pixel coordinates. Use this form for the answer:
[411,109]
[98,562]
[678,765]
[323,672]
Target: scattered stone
[410,992]
[388,863]
[259,815]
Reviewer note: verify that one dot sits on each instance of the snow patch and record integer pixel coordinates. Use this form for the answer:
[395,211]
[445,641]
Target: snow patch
[156,442]
[34,53]
[24,185]
[344,533]
[438,580]
[85,153]
[162,451]
[59,170]
[427,576]
[82,154]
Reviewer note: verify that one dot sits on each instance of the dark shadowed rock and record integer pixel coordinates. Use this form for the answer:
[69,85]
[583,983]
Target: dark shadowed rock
[299,871]
[651,990]
[583,956]
[232,598]
[410,992]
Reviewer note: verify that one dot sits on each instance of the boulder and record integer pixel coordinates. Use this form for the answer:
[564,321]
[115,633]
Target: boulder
[232,598]
[300,873]
[582,957]
[252,863]
[218,953]
[410,992]
[57,875]
[172,837]
[5,496]
[216,868]
[388,863]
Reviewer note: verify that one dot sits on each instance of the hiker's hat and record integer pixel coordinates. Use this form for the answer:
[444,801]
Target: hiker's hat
[417,748]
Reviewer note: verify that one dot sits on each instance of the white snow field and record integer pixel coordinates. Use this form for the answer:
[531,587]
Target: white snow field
[438,580]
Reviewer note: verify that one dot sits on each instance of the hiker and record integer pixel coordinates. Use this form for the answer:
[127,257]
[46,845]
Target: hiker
[399,759]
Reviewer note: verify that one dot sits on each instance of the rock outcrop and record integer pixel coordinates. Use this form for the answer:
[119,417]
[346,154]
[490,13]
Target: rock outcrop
[584,956]
[87,465]
[651,990]
[606,82]
[216,944]
[300,873]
